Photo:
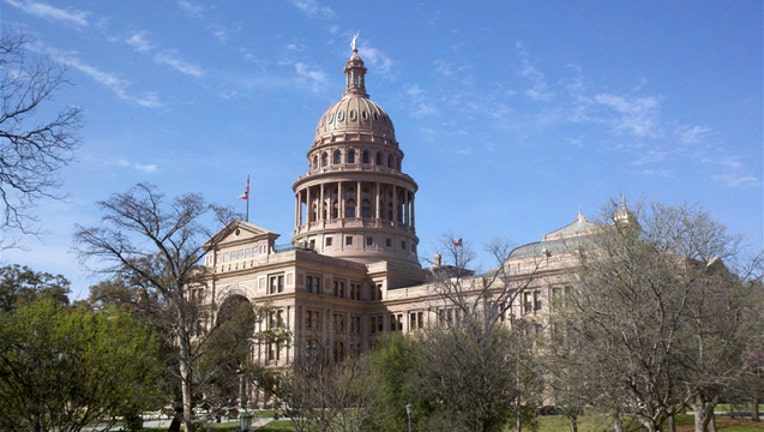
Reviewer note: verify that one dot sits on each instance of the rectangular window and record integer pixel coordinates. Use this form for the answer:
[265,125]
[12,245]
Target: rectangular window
[312,320]
[313,284]
[349,240]
[396,322]
[355,324]
[276,284]
[355,291]
[416,320]
[389,242]
[328,241]
[339,289]
[338,323]
[369,241]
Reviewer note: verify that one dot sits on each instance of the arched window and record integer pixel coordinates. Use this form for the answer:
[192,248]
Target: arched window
[337,157]
[335,209]
[390,161]
[350,210]
[365,157]
[350,156]
[378,159]
[315,162]
[324,159]
[366,209]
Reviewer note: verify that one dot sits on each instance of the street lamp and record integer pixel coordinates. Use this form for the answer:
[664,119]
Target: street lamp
[245,421]
[408,414]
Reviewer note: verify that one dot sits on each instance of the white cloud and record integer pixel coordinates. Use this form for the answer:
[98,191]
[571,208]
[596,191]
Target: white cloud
[192,9]
[51,13]
[733,172]
[316,78]
[313,9]
[144,168]
[110,80]
[421,105]
[638,116]
[691,135]
[171,58]
[378,60]
[139,42]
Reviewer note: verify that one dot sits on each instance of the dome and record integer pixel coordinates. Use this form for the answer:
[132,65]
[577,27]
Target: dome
[355,113]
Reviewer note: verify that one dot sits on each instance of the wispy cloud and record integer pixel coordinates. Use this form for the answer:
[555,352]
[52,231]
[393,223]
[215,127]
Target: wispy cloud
[113,82]
[144,168]
[378,60]
[539,89]
[732,172]
[171,58]
[192,9]
[51,13]
[141,43]
[315,78]
[692,134]
[421,105]
[639,116]
[313,8]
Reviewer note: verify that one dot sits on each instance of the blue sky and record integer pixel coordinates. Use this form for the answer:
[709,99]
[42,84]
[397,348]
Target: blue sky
[512,115]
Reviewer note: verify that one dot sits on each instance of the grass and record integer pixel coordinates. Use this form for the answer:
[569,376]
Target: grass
[277,426]
[684,423]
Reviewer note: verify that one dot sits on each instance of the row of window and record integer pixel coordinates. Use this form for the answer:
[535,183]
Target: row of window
[352,116]
[350,158]
[349,239]
[237,254]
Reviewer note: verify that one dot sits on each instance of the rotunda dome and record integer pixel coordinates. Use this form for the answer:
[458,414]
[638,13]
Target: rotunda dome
[355,112]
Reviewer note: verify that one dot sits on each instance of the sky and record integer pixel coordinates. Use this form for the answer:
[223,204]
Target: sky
[512,115]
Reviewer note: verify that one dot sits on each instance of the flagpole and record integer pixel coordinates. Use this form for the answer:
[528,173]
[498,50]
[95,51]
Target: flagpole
[247,220]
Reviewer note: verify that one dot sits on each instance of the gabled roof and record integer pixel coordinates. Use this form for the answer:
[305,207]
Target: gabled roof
[239,231]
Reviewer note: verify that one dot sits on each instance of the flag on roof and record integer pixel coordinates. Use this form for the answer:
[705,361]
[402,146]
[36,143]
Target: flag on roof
[245,195]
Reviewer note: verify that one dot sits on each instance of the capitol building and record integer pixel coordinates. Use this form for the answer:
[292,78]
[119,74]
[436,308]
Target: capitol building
[352,270]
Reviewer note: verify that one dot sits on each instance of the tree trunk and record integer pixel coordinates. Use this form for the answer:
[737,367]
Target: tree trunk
[755,409]
[617,424]
[573,423]
[672,423]
[703,413]
[186,370]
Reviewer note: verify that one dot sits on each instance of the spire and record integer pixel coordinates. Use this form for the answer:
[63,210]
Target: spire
[355,73]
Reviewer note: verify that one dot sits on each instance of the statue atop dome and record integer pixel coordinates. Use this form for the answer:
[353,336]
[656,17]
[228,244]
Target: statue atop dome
[353,43]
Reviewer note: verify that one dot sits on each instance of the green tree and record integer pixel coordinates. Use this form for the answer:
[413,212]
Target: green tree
[20,285]
[157,244]
[64,368]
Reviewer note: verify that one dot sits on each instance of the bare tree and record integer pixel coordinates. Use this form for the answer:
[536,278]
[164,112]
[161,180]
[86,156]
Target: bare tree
[324,395]
[657,313]
[478,347]
[158,245]
[32,149]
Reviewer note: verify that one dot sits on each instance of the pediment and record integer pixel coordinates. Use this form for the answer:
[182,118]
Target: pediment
[240,232]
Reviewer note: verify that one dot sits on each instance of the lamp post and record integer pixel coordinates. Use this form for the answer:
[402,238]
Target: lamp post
[245,421]
[408,414]
[245,418]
